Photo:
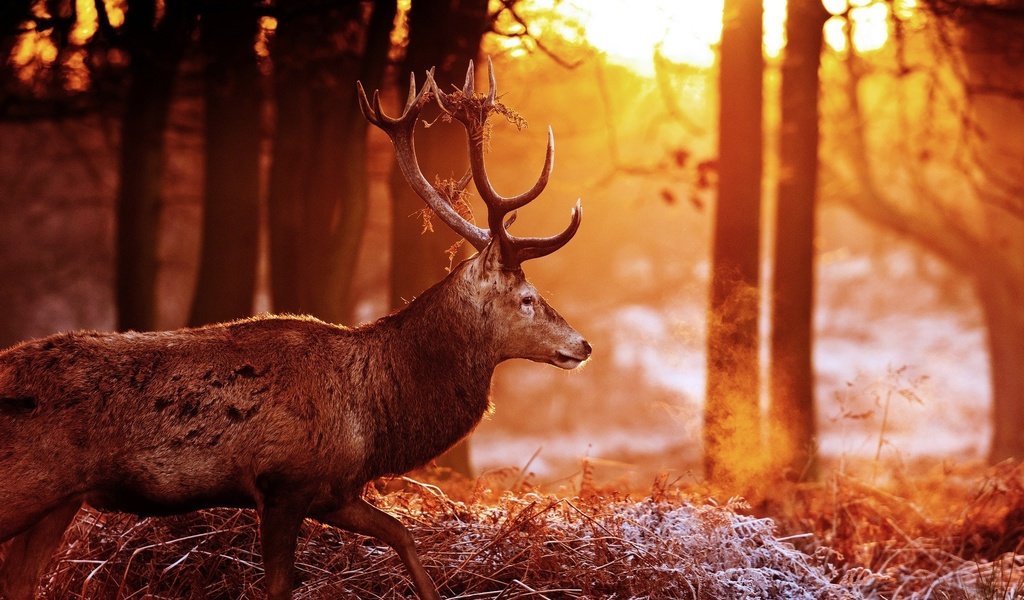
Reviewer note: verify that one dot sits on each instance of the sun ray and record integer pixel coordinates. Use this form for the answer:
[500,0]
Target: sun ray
[629,32]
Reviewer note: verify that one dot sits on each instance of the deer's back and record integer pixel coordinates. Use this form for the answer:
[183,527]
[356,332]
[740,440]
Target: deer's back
[173,420]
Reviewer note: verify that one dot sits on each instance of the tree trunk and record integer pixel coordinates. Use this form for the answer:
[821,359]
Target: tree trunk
[318,185]
[446,35]
[732,436]
[318,195]
[155,54]
[227,263]
[990,251]
[1004,321]
[791,409]
[992,53]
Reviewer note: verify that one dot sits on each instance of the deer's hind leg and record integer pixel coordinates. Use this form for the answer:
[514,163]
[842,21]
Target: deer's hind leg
[359,517]
[28,553]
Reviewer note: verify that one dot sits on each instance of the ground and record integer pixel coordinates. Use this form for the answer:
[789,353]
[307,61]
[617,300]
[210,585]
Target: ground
[953,533]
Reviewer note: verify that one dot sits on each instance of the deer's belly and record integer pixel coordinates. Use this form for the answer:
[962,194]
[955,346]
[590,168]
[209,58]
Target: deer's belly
[144,504]
[152,487]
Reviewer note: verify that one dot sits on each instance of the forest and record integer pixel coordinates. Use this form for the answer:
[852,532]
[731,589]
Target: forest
[800,267]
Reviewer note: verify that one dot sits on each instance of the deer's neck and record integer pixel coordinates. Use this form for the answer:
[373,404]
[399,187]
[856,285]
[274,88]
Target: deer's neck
[435,366]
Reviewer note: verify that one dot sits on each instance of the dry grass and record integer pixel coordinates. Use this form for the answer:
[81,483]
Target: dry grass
[949,535]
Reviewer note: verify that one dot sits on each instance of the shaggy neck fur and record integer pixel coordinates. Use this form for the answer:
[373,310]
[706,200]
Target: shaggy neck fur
[435,363]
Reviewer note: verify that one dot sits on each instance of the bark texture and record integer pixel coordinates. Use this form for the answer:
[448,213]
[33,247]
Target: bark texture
[318,182]
[231,191]
[791,409]
[156,48]
[732,438]
[445,35]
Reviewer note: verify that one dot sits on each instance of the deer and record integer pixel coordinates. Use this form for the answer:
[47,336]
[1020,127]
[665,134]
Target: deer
[285,414]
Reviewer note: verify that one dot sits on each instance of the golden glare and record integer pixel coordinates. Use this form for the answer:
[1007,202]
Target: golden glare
[630,32]
[86,23]
[33,51]
[868,21]
[268,25]
[870,26]
[76,74]
[774,23]
[115,12]
[835,33]
[904,9]
[835,7]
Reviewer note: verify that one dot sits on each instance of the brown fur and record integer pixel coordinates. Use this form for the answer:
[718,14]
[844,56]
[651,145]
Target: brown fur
[286,414]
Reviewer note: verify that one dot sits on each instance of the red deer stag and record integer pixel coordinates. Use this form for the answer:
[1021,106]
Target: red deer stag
[289,415]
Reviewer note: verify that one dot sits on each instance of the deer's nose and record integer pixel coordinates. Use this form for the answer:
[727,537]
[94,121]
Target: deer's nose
[587,349]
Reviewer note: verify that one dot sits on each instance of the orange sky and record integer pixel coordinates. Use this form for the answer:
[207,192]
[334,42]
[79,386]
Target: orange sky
[628,32]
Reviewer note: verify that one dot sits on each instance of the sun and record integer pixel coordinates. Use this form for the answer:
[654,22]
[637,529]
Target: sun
[631,32]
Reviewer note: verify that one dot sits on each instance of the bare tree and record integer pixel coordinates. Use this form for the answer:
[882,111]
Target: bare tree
[975,88]
[791,412]
[231,175]
[156,47]
[447,34]
[318,194]
[993,80]
[731,421]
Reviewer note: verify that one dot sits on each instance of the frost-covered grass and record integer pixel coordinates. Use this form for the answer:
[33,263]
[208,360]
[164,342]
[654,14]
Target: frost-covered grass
[949,534]
[521,546]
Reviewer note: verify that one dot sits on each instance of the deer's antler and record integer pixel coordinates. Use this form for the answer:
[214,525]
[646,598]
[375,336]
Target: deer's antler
[400,130]
[472,111]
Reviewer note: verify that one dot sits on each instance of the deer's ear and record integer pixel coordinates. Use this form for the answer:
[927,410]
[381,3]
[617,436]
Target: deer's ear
[492,256]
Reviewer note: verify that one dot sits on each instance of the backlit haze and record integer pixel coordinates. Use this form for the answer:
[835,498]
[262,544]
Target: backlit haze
[630,90]
[630,32]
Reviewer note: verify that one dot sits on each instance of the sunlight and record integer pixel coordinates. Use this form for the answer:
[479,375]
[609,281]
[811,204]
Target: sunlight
[774,23]
[629,33]
[86,24]
[870,26]
[868,20]
[835,34]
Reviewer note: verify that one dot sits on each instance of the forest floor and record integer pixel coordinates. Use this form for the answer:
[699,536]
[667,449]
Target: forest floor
[950,533]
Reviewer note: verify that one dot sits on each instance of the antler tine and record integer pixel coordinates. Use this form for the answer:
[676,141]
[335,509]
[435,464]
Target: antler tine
[374,112]
[468,88]
[527,248]
[379,111]
[364,105]
[401,129]
[410,98]
[496,202]
[491,81]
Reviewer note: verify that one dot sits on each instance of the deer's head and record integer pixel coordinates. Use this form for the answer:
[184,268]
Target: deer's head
[524,325]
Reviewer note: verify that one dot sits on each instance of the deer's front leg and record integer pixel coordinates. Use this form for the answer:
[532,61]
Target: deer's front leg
[359,517]
[280,519]
[29,552]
